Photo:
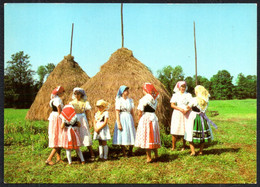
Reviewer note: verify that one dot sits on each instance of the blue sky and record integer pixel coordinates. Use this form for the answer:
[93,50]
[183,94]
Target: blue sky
[158,34]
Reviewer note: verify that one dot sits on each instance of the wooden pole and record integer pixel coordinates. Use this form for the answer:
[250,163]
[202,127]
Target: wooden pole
[71,39]
[195,54]
[122,25]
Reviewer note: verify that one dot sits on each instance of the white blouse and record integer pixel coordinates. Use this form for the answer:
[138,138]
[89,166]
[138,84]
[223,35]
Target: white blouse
[182,100]
[124,104]
[56,101]
[104,114]
[147,100]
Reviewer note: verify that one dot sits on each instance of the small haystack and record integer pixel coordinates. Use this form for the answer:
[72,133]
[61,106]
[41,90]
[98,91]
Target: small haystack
[124,69]
[67,74]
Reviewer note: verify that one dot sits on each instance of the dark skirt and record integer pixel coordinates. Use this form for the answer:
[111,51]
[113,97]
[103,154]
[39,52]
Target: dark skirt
[202,133]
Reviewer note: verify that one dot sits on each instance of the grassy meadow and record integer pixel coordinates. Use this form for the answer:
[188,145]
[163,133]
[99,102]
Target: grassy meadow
[231,157]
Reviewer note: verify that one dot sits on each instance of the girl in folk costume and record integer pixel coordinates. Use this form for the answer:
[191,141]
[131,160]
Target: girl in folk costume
[101,128]
[179,102]
[81,106]
[71,137]
[54,129]
[124,132]
[198,129]
[148,134]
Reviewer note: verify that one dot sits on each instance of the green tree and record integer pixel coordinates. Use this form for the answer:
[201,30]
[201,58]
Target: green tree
[221,86]
[191,84]
[19,81]
[169,76]
[41,71]
[49,67]
[246,86]
[44,71]
[203,81]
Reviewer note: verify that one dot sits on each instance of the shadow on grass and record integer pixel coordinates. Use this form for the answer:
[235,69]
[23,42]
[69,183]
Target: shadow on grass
[220,151]
[167,158]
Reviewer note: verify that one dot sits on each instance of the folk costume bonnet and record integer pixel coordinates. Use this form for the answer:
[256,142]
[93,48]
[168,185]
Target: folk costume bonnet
[55,93]
[152,95]
[178,85]
[120,91]
[106,106]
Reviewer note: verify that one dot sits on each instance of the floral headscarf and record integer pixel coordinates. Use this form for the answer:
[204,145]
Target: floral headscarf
[57,91]
[81,91]
[178,85]
[150,89]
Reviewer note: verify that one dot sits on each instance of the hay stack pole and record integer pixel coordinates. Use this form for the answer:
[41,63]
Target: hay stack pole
[195,53]
[122,25]
[71,42]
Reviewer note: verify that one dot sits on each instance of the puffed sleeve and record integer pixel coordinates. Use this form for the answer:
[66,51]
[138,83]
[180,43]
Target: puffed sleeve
[174,99]
[57,102]
[106,114]
[141,105]
[117,105]
[87,106]
[193,102]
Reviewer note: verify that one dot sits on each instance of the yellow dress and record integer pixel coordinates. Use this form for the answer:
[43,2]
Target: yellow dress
[80,107]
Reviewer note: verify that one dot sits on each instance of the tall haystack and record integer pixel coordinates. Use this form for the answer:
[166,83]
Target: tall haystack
[124,69]
[67,74]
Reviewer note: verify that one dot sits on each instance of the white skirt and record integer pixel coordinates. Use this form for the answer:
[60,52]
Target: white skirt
[84,131]
[104,134]
[148,133]
[178,122]
[54,130]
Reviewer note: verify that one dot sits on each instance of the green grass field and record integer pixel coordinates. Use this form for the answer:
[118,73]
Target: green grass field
[231,158]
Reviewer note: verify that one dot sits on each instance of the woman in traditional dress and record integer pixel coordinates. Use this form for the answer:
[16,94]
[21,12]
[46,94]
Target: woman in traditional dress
[179,102]
[82,106]
[198,130]
[124,132]
[148,133]
[54,130]
[70,136]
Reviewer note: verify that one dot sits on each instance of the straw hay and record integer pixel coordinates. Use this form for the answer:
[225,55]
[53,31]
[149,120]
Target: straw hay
[124,69]
[67,74]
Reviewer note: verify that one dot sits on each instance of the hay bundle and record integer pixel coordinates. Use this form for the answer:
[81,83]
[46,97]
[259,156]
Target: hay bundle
[67,74]
[124,69]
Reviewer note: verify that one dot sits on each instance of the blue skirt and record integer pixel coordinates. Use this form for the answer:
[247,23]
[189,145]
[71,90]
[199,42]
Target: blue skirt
[127,135]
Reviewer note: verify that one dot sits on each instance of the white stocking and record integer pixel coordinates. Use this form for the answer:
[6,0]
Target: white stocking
[68,153]
[100,151]
[80,155]
[105,151]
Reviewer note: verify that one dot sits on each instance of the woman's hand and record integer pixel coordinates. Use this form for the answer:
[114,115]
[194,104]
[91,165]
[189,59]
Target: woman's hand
[119,126]
[62,125]
[97,130]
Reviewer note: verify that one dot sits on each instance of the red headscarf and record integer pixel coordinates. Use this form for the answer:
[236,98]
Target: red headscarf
[68,112]
[150,89]
[57,90]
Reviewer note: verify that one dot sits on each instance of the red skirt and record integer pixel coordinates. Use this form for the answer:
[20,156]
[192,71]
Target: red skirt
[148,133]
[71,138]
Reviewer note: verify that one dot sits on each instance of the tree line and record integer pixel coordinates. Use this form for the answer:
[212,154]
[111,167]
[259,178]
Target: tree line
[220,85]
[20,88]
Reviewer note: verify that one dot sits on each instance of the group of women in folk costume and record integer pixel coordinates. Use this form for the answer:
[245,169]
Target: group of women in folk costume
[189,119]
[69,128]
